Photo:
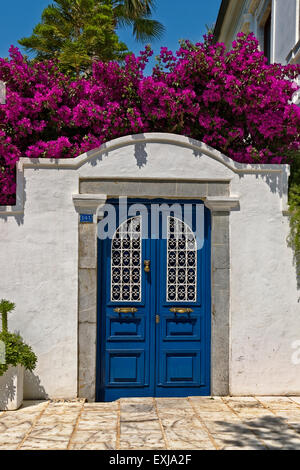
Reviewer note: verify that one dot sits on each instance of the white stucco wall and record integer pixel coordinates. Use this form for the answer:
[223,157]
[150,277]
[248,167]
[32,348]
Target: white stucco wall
[265,308]
[39,259]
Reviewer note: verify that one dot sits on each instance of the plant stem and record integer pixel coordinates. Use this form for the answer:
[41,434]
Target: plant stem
[4,322]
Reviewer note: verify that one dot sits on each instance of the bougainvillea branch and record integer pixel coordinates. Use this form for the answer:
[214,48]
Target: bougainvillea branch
[233,101]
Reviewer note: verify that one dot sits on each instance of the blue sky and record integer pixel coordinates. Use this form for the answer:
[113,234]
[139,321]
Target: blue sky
[182,19]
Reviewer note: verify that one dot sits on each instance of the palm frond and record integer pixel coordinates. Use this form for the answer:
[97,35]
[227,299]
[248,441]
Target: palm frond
[145,29]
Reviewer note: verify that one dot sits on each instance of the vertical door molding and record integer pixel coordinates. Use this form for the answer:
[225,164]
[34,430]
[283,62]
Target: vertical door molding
[220,207]
[87,292]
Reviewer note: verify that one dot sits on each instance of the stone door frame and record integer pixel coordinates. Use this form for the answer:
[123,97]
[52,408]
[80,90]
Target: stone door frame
[93,193]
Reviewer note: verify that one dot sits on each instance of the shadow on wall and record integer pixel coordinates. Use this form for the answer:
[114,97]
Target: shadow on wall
[33,389]
[276,185]
[140,152]
[297,265]
[20,203]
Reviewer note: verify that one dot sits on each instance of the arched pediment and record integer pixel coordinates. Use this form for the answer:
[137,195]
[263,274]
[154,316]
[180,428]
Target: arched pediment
[199,148]
[168,158]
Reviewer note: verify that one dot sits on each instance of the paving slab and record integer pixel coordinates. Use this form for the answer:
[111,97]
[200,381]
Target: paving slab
[192,423]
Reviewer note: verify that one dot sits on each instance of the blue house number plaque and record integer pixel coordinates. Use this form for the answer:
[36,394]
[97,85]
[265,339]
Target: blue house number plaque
[86,218]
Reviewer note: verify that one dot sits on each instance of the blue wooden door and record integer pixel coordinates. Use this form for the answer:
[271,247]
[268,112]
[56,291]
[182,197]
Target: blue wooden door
[154,310]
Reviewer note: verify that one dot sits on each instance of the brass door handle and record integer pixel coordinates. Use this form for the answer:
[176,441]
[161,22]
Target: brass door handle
[147,266]
[181,310]
[125,310]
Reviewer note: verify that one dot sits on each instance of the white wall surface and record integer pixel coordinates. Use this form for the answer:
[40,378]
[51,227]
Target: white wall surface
[39,259]
[265,308]
[286,27]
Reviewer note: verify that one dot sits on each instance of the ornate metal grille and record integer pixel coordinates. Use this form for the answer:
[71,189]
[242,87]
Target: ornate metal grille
[126,256]
[181,262]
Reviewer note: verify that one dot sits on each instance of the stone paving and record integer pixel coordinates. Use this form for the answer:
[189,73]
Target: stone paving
[194,423]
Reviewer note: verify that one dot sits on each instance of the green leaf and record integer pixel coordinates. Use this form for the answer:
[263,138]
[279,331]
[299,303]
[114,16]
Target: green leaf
[76,32]
[16,352]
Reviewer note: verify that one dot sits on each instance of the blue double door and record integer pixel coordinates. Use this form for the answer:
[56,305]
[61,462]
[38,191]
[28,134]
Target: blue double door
[154,307]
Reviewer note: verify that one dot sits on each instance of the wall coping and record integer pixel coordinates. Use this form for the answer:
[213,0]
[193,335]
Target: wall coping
[165,138]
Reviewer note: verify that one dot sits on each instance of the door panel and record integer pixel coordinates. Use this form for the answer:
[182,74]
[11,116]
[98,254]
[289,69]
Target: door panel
[182,336]
[126,327]
[180,327]
[126,367]
[154,324]
[180,368]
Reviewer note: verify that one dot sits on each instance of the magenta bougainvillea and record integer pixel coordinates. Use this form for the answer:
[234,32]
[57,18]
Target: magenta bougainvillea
[232,101]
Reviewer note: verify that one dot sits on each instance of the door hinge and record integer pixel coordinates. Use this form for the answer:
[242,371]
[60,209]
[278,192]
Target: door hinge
[157,318]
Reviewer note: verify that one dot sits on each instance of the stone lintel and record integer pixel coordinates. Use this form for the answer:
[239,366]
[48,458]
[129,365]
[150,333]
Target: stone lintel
[89,203]
[222,204]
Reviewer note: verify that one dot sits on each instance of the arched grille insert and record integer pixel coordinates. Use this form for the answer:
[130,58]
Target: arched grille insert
[181,262]
[126,256]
